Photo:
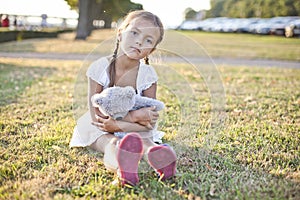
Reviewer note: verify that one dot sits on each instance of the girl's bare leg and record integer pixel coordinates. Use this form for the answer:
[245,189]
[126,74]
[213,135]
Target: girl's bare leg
[147,139]
[123,157]
[107,145]
[148,143]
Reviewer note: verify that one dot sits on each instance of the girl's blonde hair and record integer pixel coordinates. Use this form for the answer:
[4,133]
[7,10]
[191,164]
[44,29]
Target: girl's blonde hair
[131,16]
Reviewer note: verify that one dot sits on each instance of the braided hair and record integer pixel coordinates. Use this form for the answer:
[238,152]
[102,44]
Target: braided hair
[112,65]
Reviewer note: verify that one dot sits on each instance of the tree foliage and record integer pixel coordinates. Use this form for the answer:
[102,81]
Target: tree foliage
[254,8]
[73,4]
[113,8]
[119,8]
[190,13]
[106,10]
[116,9]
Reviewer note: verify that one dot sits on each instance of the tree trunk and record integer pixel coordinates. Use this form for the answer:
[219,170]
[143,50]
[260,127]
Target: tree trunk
[95,11]
[83,21]
[88,11]
[108,20]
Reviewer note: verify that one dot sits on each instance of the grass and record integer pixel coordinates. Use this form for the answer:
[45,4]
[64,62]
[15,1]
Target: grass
[63,44]
[255,154]
[248,46]
[217,44]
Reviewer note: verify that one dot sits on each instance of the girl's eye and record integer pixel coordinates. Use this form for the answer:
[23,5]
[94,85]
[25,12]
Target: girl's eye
[134,32]
[149,41]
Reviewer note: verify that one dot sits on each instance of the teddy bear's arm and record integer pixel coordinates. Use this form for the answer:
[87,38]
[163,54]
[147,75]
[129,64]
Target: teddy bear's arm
[141,102]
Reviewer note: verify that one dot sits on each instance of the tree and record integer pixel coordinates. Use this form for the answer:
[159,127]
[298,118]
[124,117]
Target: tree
[107,10]
[115,9]
[216,8]
[87,13]
[73,4]
[190,14]
[254,8]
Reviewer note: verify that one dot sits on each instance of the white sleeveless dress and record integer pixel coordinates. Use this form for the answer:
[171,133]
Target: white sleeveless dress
[85,133]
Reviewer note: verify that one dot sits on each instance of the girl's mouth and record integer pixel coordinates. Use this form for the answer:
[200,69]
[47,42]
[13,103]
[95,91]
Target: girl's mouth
[136,49]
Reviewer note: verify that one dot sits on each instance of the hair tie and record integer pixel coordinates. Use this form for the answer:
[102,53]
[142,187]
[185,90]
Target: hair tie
[146,59]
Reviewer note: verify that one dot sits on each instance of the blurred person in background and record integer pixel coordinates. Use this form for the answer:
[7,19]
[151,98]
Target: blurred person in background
[4,21]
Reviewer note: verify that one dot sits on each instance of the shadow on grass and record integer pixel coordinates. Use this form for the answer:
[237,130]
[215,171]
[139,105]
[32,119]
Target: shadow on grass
[19,46]
[205,174]
[15,80]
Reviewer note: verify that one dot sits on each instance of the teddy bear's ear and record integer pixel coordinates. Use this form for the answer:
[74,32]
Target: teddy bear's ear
[97,100]
[100,100]
[94,100]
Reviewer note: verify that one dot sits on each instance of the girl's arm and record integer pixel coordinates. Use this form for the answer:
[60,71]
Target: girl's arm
[111,125]
[145,116]
[93,88]
[151,91]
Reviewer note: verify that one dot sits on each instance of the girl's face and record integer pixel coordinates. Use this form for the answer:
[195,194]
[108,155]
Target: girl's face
[139,39]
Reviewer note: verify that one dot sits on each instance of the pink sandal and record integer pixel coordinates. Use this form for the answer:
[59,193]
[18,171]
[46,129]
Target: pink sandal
[163,160]
[129,154]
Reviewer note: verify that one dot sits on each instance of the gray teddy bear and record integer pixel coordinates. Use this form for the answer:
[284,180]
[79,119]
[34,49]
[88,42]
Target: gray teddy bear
[117,101]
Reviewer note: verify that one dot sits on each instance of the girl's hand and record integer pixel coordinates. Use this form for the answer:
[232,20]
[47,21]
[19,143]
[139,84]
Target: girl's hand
[145,116]
[107,124]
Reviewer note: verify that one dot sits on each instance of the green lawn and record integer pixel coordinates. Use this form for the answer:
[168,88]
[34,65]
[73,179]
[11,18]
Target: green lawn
[216,44]
[254,152]
[248,46]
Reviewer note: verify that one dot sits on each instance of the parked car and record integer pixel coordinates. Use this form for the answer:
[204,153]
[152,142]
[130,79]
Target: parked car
[244,25]
[287,25]
[279,23]
[215,24]
[189,25]
[256,27]
[293,28]
[274,26]
[205,23]
[230,25]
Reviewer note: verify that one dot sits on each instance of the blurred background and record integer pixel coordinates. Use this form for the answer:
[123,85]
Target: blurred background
[272,17]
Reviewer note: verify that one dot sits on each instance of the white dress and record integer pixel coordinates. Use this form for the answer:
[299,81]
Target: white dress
[85,133]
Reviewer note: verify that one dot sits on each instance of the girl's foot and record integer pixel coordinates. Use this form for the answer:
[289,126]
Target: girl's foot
[129,154]
[163,160]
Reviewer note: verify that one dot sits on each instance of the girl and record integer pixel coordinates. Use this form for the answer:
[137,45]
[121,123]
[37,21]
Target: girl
[137,37]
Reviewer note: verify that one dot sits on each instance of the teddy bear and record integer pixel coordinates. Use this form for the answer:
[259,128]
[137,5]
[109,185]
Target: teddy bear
[117,101]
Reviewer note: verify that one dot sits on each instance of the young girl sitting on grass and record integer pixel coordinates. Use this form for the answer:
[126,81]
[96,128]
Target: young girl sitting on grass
[137,37]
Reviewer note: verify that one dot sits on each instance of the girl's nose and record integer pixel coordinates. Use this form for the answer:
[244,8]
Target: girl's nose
[138,42]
